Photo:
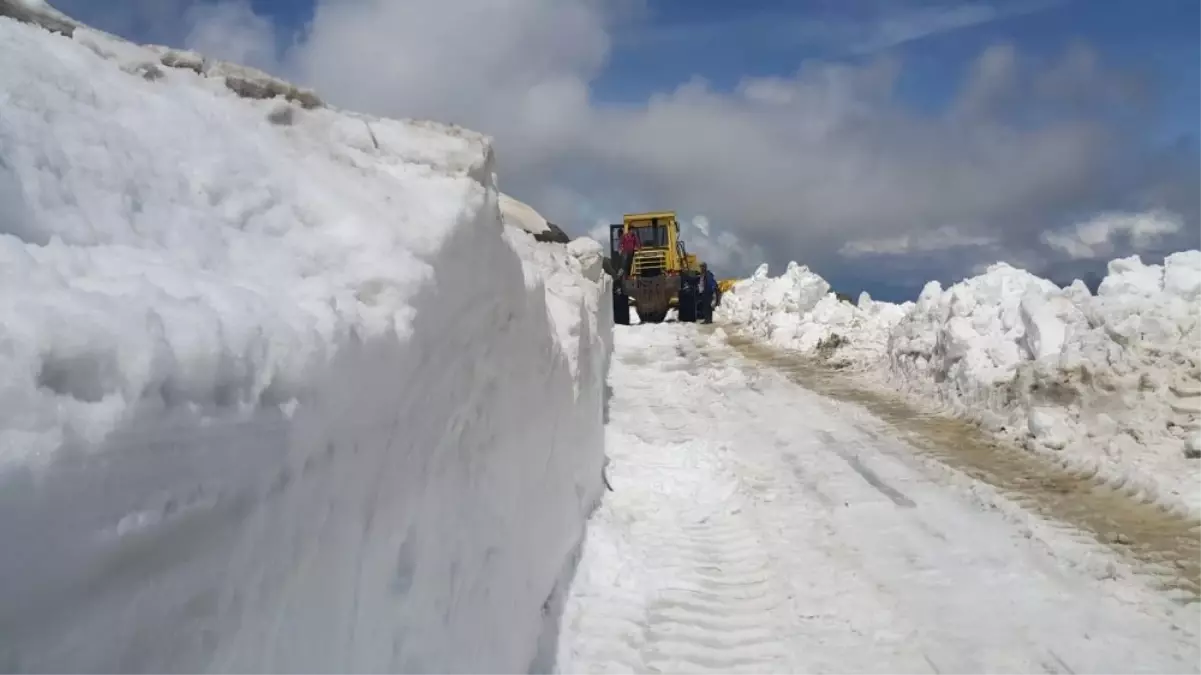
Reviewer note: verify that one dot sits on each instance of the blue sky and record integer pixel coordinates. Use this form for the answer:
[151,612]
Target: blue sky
[724,41]
[923,139]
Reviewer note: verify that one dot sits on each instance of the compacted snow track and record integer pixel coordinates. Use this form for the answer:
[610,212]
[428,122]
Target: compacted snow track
[722,610]
[755,526]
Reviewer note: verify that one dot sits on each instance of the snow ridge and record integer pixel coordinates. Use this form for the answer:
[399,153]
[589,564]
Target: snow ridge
[280,390]
[1109,383]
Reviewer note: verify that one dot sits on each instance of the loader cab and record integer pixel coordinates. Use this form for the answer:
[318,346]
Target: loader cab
[659,245]
[654,235]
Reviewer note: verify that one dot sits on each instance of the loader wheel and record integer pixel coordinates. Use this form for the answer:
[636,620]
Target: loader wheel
[621,309]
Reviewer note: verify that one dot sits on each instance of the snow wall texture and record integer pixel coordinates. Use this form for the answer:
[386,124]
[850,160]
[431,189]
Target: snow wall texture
[279,388]
[1109,383]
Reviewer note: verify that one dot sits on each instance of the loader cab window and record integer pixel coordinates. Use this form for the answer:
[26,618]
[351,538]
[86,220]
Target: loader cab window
[615,232]
[651,235]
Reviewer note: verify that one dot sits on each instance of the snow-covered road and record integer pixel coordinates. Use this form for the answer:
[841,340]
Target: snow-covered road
[755,526]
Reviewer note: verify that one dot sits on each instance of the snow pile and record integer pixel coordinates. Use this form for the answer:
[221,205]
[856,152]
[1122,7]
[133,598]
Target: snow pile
[976,333]
[797,311]
[278,389]
[1110,383]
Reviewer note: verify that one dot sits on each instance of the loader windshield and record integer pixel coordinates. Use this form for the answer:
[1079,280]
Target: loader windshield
[651,235]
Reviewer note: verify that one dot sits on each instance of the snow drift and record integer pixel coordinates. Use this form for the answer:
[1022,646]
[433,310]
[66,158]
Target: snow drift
[1110,382]
[278,388]
[797,311]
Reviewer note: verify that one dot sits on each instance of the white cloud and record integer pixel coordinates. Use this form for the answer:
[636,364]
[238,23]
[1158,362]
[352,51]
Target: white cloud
[797,165]
[819,165]
[830,157]
[919,23]
[1099,236]
[914,23]
[600,232]
[230,30]
[942,239]
[722,249]
[516,69]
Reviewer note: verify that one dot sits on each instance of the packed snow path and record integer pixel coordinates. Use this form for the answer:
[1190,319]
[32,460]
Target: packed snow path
[756,526]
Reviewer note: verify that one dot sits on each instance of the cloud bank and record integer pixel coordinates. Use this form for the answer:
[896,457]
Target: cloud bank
[827,165]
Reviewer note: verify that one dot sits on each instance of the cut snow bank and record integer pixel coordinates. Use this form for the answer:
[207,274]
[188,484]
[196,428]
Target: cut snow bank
[1110,382]
[278,389]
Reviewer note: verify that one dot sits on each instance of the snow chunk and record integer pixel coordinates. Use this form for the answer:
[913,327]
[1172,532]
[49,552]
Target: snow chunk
[1192,445]
[1044,334]
[38,13]
[521,215]
[591,255]
[1182,275]
[1049,427]
[252,83]
[180,58]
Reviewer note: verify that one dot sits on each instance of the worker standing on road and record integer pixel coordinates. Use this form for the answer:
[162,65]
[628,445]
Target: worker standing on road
[708,289]
[629,244]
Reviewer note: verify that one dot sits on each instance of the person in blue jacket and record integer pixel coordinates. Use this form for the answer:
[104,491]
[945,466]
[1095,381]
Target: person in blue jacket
[708,288]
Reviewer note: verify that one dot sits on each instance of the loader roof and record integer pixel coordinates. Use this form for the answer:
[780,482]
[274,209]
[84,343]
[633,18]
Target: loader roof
[649,215]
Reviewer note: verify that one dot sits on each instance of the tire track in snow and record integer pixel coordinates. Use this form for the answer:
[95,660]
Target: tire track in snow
[712,599]
[797,483]
[1075,501]
[717,612]
[739,538]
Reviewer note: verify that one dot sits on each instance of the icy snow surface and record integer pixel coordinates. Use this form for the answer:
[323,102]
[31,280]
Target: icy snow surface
[757,527]
[278,390]
[1111,382]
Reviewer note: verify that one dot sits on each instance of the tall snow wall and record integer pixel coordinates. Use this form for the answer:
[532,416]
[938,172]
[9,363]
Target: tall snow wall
[279,391]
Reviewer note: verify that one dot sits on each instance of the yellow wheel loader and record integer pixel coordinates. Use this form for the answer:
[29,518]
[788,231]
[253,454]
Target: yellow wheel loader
[662,274]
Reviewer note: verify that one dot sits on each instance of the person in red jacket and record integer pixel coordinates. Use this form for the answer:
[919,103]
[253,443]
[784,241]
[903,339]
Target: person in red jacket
[628,244]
